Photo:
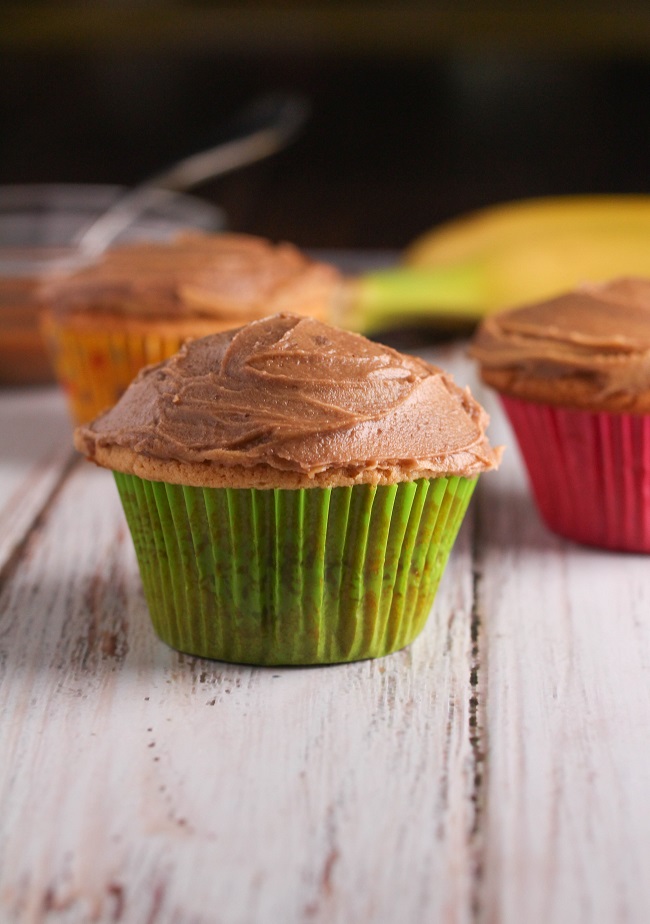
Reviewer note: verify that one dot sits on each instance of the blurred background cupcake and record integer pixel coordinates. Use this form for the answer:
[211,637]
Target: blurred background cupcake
[138,303]
[293,490]
[573,375]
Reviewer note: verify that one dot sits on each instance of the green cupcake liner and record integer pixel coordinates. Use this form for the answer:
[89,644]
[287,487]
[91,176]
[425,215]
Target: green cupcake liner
[314,576]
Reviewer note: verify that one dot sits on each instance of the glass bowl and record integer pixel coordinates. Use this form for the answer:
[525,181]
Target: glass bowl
[39,228]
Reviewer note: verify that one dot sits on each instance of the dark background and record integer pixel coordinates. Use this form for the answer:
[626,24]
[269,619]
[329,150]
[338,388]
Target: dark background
[421,111]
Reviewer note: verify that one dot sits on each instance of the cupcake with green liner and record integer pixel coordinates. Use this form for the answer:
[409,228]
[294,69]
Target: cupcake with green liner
[293,490]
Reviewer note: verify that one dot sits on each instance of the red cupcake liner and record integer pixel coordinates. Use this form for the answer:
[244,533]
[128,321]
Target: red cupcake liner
[589,472]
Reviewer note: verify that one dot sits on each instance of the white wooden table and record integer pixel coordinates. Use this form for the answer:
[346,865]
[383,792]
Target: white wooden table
[496,771]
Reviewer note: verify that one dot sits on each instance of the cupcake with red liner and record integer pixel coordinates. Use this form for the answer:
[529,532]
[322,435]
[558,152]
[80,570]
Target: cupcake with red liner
[573,375]
[139,302]
[293,490]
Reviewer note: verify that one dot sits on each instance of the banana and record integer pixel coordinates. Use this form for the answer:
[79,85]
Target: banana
[507,255]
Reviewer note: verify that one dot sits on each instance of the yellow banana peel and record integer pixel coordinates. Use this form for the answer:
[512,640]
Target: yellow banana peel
[506,255]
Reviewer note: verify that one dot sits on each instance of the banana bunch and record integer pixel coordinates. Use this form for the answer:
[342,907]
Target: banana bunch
[506,255]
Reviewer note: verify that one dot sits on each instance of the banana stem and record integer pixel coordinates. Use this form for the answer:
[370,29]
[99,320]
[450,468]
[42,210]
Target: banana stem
[388,298]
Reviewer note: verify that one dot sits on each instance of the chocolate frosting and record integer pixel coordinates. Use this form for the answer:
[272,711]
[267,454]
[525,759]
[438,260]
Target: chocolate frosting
[297,395]
[232,276]
[597,334]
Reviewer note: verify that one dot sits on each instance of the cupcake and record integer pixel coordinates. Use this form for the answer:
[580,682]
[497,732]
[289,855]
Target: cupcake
[573,375]
[138,303]
[293,490]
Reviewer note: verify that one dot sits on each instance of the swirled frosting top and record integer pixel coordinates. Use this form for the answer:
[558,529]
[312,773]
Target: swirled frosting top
[231,276]
[299,396]
[597,335]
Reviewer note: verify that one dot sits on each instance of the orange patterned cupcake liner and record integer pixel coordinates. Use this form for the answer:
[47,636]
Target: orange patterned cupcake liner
[95,367]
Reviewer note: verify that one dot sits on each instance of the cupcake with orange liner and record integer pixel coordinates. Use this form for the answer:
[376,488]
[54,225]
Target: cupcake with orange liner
[573,375]
[293,490]
[140,302]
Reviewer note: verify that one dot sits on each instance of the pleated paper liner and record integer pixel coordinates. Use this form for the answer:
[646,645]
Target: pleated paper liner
[312,576]
[589,472]
[94,367]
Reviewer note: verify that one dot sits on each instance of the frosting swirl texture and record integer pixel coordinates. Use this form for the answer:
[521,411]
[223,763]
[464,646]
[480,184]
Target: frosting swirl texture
[296,395]
[587,348]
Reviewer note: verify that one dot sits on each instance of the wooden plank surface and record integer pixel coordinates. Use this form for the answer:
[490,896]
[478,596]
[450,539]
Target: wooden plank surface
[566,635]
[495,771]
[141,785]
[35,451]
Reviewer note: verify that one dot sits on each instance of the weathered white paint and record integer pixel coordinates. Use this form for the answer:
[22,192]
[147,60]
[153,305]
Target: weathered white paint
[566,629]
[496,771]
[141,785]
[34,451]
